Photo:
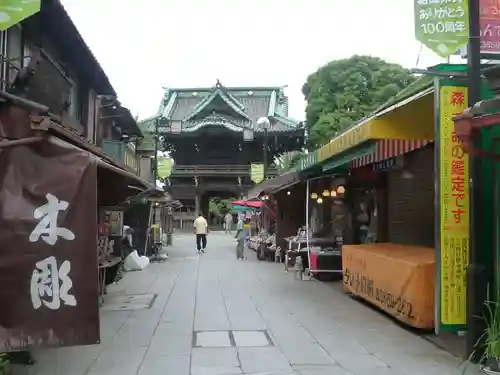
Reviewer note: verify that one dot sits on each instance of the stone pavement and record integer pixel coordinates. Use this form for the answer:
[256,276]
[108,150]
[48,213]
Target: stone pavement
[216,315]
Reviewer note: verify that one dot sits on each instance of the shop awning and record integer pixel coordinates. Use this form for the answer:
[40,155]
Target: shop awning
[248,203]
[134,179]
[274,184]
[412,118]
[345,158]
[389,148]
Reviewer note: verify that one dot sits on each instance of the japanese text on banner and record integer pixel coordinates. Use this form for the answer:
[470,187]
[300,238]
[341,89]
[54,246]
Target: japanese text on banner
[454,179]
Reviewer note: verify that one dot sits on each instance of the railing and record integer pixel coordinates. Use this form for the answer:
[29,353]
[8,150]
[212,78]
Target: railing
[216,170]
[122,153]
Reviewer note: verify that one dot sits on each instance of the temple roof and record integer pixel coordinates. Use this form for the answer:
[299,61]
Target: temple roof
[236,108]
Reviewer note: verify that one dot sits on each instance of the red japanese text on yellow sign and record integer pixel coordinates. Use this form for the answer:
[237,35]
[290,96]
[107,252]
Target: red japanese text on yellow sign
[454,178]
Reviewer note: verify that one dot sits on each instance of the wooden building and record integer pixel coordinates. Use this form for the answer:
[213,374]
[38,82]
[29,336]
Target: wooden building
[214,134]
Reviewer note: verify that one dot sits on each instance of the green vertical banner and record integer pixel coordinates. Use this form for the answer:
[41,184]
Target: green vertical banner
[257,173]
[164,167]
[14,11]
[442,25]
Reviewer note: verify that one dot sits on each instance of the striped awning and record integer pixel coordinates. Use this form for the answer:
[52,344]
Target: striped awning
[389,148]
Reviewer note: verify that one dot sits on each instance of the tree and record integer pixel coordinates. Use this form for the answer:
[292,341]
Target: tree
[220,207]
[343,92]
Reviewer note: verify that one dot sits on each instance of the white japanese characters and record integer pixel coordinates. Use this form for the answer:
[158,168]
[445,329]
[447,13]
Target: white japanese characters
[50,285]
[47,227]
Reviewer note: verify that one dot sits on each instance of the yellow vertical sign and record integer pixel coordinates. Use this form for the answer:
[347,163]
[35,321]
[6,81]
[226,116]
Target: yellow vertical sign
[257,173]
[454,182]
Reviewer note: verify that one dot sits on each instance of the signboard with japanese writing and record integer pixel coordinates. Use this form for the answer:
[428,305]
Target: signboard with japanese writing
[489,20]
[14,11]
[257,173]
[389,164]
[442,25]
[48,211]
[454,211]
[489,23]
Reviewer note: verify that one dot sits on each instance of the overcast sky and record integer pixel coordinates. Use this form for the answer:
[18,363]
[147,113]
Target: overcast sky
[149,44]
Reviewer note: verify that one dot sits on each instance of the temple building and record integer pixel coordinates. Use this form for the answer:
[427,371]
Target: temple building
[214,135]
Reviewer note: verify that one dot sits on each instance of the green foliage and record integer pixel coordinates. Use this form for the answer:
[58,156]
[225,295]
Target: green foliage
[345,91]
[4,364]
[492,331]
[489,342]
[220,207]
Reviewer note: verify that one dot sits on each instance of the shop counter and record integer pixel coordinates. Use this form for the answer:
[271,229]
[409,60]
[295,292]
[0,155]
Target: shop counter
[399,279]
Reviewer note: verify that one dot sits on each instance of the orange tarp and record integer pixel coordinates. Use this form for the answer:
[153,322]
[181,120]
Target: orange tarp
[399,279]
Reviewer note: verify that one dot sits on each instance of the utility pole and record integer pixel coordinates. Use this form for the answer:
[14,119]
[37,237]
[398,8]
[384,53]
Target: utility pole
[477,278]
[155,167]
[266,135]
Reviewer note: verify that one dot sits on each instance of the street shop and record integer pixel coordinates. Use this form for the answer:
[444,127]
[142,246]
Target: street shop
[369,194]
[403,252]
[58,195]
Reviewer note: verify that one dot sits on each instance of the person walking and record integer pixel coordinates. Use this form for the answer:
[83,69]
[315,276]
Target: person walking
[201,228]
[240,238]
[228,223]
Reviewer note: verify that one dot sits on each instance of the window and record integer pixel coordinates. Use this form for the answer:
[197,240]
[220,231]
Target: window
[14,54]
[14,51]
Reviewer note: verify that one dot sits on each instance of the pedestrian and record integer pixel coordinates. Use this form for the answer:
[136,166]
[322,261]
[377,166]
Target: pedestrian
[201,228]
[240,238]
[228,223]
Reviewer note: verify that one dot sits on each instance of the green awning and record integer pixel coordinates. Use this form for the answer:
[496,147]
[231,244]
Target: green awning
[342,159]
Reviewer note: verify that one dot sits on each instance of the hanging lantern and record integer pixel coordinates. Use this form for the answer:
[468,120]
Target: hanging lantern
[333,193]
[314,196]
[326,193]
[341,190]
[320,200]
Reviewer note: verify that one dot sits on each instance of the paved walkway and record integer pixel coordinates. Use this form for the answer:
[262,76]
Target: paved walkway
[314,328]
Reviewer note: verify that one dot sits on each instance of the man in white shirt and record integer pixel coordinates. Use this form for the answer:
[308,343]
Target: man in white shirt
[201,227]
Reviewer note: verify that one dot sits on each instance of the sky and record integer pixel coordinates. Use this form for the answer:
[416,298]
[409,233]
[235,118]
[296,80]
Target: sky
[146,45]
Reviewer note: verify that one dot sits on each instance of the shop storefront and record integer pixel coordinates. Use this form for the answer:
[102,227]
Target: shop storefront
[386,217]
[55,188]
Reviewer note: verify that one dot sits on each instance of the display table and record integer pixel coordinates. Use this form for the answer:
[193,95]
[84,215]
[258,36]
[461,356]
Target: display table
[399,279]
[330,261]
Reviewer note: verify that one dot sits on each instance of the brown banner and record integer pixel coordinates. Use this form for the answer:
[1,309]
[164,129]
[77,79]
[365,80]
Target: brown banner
[398,279]
[48,250]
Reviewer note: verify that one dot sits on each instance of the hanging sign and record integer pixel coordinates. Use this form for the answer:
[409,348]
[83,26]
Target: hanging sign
[257,173]
[442,26]
[454,213]
[14,11]
[489,22]
[49,247]
[164,167]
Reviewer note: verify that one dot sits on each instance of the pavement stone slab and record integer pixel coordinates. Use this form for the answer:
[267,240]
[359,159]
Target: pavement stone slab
[209,313]
[251,338]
